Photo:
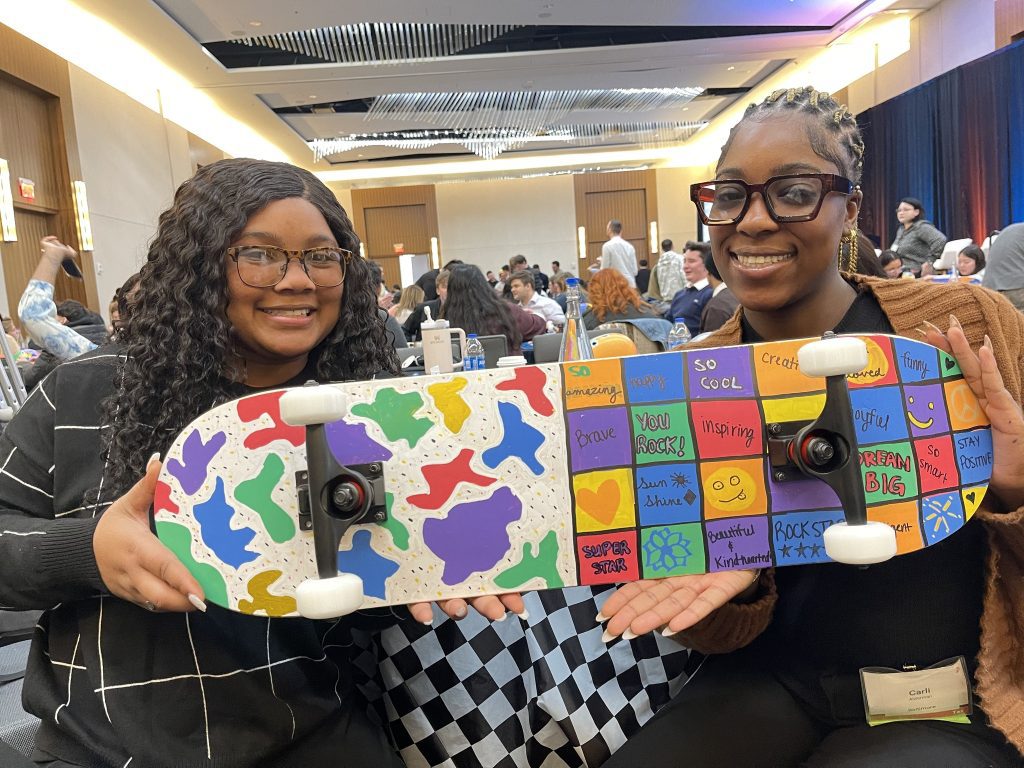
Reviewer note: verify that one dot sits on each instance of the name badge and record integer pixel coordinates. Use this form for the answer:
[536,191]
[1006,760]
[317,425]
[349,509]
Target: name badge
[940,692]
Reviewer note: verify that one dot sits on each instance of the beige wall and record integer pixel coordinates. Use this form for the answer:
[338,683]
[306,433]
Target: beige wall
[487,222]
[677,218]
[952,33]
[132,161]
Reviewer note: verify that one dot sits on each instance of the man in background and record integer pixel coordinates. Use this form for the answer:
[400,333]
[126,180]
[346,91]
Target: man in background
[525,292]
[643,277]
[1004,269]
[722,304]
[618,254]
[688,304]
[667,278]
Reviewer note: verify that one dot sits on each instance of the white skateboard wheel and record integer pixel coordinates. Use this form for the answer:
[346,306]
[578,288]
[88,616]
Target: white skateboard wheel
[330,598]
[6,414]
[313,405]
[872,542]
[833,357]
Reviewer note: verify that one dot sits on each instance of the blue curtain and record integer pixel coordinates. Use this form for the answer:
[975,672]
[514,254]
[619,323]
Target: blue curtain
[956,143]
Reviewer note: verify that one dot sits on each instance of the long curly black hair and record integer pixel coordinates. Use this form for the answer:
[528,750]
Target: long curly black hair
[178,354]
[474,306]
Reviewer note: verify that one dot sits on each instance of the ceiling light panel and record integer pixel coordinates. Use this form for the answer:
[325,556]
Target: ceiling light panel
[378,43]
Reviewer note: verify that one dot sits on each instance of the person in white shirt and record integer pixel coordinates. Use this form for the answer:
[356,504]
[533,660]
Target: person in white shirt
[618,254]
[524,291]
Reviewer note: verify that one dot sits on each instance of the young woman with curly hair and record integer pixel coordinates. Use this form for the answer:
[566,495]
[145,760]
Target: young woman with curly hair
[611,298]
[123,669]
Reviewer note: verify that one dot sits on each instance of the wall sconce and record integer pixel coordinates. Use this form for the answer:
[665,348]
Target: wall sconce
[435,254]
[654,236]
[82,216]
[7,228]
[581,243]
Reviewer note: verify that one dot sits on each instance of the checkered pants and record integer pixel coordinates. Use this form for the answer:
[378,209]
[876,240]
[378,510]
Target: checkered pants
[541,693]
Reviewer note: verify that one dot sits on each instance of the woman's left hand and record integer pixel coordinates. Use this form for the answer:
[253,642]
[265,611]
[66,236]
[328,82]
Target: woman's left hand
[982,375]
[493,607]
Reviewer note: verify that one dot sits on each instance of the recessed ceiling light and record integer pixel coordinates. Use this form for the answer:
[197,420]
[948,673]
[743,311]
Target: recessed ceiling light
[311,96]
[544,15]
[255,23]
[729,69]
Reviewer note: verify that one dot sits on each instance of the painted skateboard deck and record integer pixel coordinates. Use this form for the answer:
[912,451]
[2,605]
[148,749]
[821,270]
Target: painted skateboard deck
[593,472]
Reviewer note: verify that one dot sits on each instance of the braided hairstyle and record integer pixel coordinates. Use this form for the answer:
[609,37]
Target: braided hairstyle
[178,355]
[833,130]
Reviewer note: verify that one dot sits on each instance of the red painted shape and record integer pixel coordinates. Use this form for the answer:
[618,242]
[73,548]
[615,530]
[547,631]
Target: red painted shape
[442,479]
[251,408]
[530,381]
[162,499]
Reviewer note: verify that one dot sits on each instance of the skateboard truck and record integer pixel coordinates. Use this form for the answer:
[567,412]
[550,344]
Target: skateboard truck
[826,448]
[332,499]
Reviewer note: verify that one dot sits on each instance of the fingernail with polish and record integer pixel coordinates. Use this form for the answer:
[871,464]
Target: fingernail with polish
[197,601]
[669,632]
[460,612]
[502,617]
[154,457]
[921,331]
[629,634]
[988,341]
[933,326]
[524,615]
[607,637]
[954,323]
[600,618]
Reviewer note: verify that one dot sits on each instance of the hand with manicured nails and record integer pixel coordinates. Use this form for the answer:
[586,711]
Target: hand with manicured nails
[493,607]
[133,563]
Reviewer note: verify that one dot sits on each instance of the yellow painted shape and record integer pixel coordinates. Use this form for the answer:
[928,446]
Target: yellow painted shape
[965,411]
[604,500]
[972,499]
[263,600]
[877,367]
[800,408]
[590,383]
[733,488]
[450,403]
[902,517]
[777,371]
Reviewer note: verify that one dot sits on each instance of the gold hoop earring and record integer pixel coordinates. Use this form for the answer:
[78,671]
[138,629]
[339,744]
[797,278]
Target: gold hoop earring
[848,248]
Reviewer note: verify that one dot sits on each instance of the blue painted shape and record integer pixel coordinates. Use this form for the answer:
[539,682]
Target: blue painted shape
[798,537]
[368,564]
[941,515]
[519,440]
[214,518]
[974,456]
[654,378]
[668,493]
[878,414]
[915,361]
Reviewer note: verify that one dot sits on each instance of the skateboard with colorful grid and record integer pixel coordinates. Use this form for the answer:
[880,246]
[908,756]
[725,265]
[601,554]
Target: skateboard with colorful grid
[592,472]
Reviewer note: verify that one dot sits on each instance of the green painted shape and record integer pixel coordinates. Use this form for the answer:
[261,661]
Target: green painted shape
[178,539]
[889,472]
[949,366]
[394,413]
[545,565]
[399,533]
[255,494]
[662,433]
[672,550]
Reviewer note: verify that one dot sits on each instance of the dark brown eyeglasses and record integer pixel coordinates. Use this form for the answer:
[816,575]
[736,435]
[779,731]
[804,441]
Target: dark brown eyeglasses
[790,198]
[264,266]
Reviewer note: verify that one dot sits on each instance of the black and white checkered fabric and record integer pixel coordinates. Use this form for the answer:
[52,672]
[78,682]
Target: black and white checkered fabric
[544,692]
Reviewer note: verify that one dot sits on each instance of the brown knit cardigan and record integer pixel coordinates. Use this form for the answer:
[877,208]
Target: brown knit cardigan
[1000,677]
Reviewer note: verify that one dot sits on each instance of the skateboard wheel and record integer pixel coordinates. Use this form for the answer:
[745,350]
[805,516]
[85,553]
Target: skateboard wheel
[329,598]
[833,357]
[872,542]
[312,405]
[6,414]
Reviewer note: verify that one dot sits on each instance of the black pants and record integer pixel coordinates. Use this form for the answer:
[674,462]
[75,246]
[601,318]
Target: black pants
[733,714]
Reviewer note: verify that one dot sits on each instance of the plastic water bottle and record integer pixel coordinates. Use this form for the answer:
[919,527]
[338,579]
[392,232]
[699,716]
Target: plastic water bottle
[474,360]
[678,336]
[575,344]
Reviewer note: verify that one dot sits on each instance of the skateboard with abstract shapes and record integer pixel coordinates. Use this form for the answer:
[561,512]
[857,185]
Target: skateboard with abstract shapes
[592,472]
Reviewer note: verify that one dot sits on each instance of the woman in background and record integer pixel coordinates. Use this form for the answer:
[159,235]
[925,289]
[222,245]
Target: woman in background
[917,240]
[473,306]
[971,261]
[612,299]
[411,298]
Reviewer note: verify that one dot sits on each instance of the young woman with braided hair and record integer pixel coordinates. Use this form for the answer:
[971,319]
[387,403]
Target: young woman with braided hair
[781,684]
[123,670]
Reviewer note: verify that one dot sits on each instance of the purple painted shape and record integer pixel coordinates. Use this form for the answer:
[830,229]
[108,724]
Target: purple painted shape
[599,438]
[473,537]
[350,444]
[804,494]
[737,543]
[721,372]
[197,455]
[926,406]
